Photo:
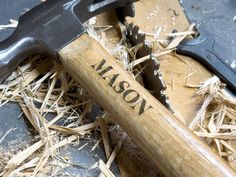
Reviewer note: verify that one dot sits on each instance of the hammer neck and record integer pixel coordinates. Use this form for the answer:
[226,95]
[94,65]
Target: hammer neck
[14,50]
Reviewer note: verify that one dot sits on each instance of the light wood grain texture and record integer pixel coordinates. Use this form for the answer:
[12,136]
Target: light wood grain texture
[172,147]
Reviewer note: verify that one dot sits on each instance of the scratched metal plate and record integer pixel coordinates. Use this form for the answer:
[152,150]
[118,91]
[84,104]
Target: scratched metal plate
[217,17]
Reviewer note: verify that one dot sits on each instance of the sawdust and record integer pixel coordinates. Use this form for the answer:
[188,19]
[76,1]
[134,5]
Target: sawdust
[14,146]
[4,158]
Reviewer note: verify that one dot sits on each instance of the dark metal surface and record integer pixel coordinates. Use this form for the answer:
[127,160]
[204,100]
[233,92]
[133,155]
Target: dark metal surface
[219,18]
[125,11]
[48,27]
[216,16]
[10,9]
[217,58]
[10,114]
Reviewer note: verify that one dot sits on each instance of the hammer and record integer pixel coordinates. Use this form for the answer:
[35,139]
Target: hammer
[55,28]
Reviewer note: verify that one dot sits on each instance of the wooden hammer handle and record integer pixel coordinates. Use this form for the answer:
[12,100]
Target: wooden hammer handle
[173,148]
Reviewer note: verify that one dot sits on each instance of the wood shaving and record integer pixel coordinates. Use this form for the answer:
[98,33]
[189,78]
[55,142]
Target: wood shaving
[216,120]
[12,24]
[160,48]
[5,135]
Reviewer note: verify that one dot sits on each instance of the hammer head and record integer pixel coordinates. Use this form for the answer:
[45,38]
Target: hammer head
[57,22]
[50,26]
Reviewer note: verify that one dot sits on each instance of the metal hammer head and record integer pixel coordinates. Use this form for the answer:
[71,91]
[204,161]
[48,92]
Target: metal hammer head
[50,26]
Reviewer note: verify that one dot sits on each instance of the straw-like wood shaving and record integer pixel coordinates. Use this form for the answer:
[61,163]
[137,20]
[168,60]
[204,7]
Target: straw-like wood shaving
[216,120]
[12,24]
[105,136]
[105,170]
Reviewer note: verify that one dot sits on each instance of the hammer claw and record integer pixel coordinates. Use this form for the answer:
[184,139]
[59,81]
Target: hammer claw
[49,27]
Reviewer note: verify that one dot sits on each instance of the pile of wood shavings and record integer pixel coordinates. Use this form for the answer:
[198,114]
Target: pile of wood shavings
[216,120]
[47,96]
[43,89]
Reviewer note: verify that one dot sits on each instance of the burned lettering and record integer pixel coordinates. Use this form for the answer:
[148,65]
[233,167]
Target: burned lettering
[142,106]
[130,96]
[111,79]
[101,68]
[121,87]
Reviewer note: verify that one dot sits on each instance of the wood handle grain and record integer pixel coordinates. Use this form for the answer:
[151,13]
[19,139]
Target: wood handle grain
[174,149]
